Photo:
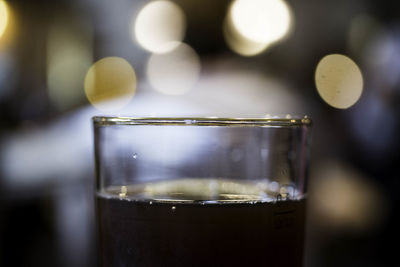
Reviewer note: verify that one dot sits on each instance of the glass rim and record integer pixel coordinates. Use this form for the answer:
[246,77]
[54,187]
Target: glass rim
[274,121]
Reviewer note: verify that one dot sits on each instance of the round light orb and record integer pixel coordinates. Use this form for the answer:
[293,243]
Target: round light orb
[261,21]
[176,72]
[110,83]
[339,81]
[238,43]
[158,23]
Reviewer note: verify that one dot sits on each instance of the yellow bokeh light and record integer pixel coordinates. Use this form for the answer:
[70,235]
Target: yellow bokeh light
[176,72]
[110,83]
[339,81]
[69,55]
[158,23]
[3,17]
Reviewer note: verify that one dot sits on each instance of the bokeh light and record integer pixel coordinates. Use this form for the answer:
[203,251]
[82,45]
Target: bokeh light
[363,28]
[158,23]
[252,25]
[381,57]
[110,83]
[9,25]
[240,44]
[345,198]
[176,72]
[69,53]
[3,17]
[339,81]
[261,20]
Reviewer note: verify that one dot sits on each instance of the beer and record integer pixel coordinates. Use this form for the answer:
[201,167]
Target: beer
[200,222]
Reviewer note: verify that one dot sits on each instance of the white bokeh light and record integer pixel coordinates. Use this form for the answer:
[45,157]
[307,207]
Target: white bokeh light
[262,21]
[176,72]
[240,44]
[252,25]
[158,23]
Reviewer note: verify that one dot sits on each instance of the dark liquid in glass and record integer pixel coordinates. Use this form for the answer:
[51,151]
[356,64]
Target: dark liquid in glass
[177,228]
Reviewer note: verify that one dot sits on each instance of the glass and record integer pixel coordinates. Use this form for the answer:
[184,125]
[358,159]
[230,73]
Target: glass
[201,191]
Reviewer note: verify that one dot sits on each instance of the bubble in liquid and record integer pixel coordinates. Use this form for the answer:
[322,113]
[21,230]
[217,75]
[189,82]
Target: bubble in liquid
[124,190]
[274,186]
[284,193]
[151,202]
[173,208]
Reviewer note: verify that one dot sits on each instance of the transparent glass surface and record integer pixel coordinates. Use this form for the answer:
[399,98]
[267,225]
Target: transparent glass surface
[201,191]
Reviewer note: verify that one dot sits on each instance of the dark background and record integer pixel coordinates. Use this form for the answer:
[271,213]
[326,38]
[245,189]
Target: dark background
[46,170]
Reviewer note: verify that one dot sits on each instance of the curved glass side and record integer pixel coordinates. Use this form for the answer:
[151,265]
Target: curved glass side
[208,158]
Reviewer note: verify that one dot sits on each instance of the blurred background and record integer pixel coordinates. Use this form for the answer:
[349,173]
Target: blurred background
[62,62]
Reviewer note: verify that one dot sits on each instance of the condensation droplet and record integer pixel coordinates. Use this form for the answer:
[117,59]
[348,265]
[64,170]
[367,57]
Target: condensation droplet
[134,156]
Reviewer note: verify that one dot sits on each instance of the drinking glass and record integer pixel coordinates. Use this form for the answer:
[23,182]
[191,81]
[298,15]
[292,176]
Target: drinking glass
[201,191]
